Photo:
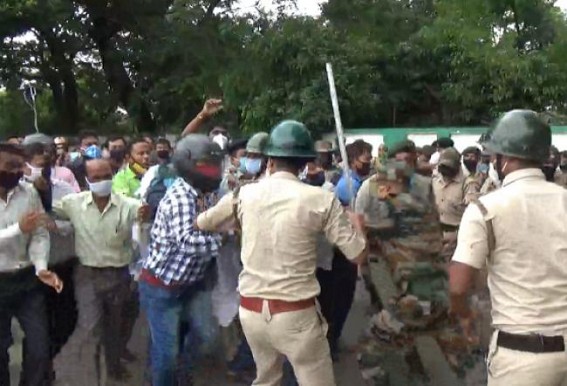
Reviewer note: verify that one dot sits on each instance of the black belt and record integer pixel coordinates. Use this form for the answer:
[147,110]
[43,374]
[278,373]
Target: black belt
[449,228]
[531,343]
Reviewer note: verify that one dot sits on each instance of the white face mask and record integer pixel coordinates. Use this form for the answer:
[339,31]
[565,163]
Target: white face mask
[101,188]
[35,173]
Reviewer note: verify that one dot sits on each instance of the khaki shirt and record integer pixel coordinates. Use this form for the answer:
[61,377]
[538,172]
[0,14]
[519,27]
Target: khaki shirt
[453,196]
[527,271]
[281,219]
[18,250]
[561,178]
[101,239]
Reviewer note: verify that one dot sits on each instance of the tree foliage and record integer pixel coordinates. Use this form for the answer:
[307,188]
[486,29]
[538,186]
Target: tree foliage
[397,62]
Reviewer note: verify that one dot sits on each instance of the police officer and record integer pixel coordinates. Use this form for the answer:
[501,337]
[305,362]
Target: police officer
[281,218]
[253,165]
[453,192]
[519,233]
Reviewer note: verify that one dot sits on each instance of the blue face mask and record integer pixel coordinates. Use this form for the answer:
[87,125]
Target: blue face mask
[242,165]
[253,166]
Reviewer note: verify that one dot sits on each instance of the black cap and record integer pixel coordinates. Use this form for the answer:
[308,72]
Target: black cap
[236,144]
[444,143]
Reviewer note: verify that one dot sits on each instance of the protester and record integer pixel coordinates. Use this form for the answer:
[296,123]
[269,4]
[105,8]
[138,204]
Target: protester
[24,242]
[103,235]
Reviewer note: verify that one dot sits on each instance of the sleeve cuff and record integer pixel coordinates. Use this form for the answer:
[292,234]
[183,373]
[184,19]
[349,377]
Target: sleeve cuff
[40,266]
[354,248]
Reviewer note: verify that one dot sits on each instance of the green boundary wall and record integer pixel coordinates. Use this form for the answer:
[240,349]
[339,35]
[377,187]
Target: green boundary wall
[394,135]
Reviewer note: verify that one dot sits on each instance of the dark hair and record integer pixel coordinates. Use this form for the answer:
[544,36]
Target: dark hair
[10,148]
[291,164]
[114,138]
[163,141]
[445,143]
[34,149]
[87,134]
[134,142]
[357,148]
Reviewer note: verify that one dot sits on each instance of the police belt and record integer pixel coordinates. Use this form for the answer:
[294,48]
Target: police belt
[449,228]
[275,306]
[531,343]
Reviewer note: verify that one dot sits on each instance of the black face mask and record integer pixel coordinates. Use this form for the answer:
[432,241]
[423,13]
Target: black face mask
[118,155]
[317,179]
[549,172]
[446,171]
[9,180]
[163,154]
[471,165]
[364,169]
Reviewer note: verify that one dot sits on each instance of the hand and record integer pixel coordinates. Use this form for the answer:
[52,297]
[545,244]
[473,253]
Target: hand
[31,221]
[144,213]
[468,327]
[51,279]
[41,184]
[211,107]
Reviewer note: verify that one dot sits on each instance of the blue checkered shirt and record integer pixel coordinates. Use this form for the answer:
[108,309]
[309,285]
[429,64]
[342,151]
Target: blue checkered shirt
[178,252]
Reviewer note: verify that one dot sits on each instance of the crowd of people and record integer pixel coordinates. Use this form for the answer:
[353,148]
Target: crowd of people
[264,239]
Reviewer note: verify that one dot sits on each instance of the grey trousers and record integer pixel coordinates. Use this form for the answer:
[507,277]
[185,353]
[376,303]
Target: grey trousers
[101,294]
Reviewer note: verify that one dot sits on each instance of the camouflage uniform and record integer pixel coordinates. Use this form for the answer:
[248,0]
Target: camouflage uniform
[403,222]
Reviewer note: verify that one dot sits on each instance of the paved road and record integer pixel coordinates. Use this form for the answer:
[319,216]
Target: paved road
[346,369]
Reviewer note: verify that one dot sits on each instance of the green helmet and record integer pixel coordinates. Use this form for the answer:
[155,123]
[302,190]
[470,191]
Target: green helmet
[521,134]
[290,139]
[257,144]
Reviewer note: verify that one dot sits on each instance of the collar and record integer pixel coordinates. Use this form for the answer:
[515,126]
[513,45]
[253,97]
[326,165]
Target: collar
[186,186]
[523,174]
[459,178]
[284,176]
[89,200]
[19,188]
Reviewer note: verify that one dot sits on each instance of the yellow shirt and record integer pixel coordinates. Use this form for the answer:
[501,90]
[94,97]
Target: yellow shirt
[101,239]
[527,271]
[281,220]
[453,196]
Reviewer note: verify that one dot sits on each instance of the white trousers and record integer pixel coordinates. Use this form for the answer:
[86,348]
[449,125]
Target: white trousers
[518,368]
[299,336]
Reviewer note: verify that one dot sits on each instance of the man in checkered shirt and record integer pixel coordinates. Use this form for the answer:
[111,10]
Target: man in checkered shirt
[178,275]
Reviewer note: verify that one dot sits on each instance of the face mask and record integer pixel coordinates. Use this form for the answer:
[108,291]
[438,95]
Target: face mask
[101,188]
[9,180]
[549,172]
[253,166]
[163,154]
[34,174]
[563,167]
[470,165]
[364,169]
[117,155]
[242,165]
[483,168]
[138,169]
[317,179]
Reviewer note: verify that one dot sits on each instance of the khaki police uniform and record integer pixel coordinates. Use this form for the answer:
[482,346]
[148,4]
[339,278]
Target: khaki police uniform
[281,218]
[527,276]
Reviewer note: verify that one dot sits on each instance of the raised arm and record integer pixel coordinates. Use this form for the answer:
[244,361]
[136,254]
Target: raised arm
[211,107]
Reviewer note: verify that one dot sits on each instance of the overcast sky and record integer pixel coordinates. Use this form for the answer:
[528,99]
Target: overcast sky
[311,7]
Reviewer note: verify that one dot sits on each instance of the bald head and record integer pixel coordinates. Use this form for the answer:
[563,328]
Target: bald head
[98,170]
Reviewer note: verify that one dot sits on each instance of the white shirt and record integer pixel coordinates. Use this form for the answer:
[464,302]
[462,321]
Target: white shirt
[527,271]
[18,250]
[147,179]
[434,160]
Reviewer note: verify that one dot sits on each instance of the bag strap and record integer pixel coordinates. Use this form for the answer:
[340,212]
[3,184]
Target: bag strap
[489,225]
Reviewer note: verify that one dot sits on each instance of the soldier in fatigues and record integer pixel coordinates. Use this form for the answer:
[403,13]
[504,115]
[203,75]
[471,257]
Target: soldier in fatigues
[281,219]
[453,192]
[519,233]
